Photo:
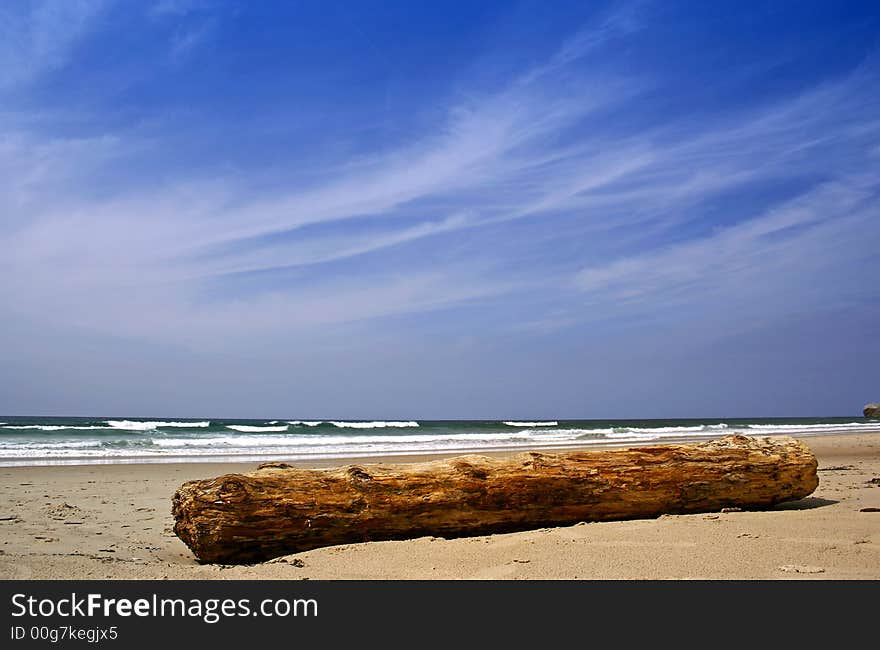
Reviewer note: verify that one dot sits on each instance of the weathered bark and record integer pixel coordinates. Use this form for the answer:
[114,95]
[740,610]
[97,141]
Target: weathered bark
[277,510]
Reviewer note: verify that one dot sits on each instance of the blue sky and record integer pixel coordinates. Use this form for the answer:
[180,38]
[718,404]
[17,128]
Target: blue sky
[439,210]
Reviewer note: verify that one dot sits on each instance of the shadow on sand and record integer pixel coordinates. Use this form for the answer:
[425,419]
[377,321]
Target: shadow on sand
[805,504]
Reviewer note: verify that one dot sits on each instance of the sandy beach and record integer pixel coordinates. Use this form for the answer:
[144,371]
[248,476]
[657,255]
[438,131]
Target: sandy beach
[114,522]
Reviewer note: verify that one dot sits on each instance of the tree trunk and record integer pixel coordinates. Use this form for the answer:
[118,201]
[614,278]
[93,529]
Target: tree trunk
[277,510]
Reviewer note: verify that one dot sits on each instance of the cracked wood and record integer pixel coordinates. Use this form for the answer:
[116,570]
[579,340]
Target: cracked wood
[278,510]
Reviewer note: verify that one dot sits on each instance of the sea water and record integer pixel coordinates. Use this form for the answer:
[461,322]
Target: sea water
[56,440]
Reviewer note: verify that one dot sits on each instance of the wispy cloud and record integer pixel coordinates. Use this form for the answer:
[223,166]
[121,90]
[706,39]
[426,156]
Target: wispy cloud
[541,150]
[41,37]
[187,39]
[165,8]
[747,255]
[562,233]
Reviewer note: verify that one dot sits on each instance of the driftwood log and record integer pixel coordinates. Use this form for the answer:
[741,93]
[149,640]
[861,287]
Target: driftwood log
[277,510]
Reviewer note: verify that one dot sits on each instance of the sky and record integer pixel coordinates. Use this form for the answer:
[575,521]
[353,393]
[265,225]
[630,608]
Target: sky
[452,210]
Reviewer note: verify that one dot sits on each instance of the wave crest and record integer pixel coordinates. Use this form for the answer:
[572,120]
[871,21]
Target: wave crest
[140,425]
[376,424]
[50,427]
[552,423]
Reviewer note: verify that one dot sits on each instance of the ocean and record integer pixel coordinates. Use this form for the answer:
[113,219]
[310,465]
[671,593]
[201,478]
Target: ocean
[78,441]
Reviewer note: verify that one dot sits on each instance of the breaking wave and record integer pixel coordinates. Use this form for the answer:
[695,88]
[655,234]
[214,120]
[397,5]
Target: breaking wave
[532,424]
[49,427]
[378,424]
[28,440]
[139,425]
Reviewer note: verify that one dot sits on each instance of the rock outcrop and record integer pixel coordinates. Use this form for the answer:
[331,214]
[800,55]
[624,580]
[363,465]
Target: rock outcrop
[872,411]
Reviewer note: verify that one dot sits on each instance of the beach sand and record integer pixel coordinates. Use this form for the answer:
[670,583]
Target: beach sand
[114,522]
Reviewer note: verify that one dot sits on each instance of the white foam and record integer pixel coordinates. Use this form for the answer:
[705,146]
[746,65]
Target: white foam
[137,425]
[307,423]
[378,424]
[352,439]
[49,445]
[129,425]
[628,435]
[693,430]
[807,427]
[49,427]
[387,441]
[532,424]
[675,430]
[186,425]
[548,434]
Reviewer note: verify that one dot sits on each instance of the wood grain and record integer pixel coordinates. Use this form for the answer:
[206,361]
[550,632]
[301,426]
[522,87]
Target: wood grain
[278,510]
